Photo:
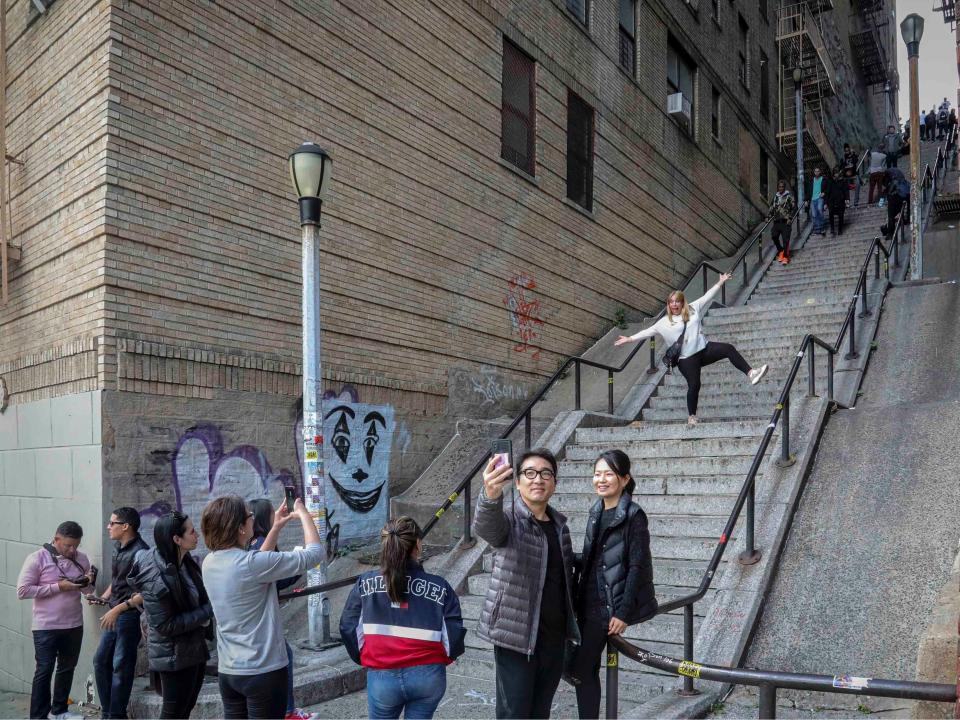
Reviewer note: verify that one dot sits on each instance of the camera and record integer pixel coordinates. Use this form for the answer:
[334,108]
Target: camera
[83,581]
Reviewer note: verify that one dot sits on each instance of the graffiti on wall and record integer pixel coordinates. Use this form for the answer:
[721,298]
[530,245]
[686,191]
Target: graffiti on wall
[524,311]
[492,388]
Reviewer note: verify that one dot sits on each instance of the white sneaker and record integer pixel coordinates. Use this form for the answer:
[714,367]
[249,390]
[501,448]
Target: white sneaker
[692,420]
[65,716]
[756,375]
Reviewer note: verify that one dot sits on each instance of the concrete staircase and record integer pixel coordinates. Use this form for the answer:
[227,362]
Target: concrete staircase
[687,478]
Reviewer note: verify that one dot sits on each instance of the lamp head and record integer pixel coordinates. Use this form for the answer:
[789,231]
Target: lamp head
[796,75]
[310,167]
[911,30]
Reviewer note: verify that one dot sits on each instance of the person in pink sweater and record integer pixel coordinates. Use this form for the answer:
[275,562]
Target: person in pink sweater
[54,578]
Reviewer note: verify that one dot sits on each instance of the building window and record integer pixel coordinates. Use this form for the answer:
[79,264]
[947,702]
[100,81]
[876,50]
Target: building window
[681,79]
[579,151]
[628,42]
[518,108]
[578,8]
[764,86]
[715,10]
[763,10]
[743,57]
[715,114]
[764,177]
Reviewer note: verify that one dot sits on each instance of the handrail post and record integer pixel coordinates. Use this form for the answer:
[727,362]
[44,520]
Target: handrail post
[467,540]
[830,376]
[613,681]
[768,701]
[744,271]
[610,391]
[876,261]
[785,459]
[750,555]
[760,249]
[811,372]
[853,354]
[653,360]
[704,279]
[688,648]
[896,250]
[864,310]
[526,430]
[723,294]
[576,384]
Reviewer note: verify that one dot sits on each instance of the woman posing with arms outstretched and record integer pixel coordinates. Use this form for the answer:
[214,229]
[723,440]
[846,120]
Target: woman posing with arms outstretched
[697,352]
[616,574]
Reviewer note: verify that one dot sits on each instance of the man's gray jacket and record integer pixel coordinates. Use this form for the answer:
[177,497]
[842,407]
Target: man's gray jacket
[511,611]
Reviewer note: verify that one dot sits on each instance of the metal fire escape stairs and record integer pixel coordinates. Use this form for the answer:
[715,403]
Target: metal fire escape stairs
[871,25]
[800,45]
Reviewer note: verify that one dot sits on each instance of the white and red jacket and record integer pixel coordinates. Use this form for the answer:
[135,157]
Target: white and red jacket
[426,628]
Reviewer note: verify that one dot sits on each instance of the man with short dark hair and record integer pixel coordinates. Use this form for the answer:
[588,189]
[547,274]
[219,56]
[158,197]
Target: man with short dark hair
[528,612]
[115,661]
[892,143]
[53,577]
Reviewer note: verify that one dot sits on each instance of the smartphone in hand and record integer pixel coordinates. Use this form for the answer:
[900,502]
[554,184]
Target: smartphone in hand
[291,496]
[502,453]
[95,600]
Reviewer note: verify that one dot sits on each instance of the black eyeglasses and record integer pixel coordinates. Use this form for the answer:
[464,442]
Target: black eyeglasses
[531,474]
[116,522]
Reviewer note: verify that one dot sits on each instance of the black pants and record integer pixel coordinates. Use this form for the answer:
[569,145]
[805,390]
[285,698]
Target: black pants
[837,213]
[180,689]
[891,160]
[255,696]
[586,666]
[690,368]
[54,648]
[781,232]
[526,686]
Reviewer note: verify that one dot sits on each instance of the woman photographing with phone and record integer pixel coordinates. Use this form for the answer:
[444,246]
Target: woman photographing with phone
[682,333]
[242,590]
[178,613]
[616,575]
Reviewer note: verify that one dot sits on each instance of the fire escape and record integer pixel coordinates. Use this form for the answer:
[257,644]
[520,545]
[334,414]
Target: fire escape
[800,45]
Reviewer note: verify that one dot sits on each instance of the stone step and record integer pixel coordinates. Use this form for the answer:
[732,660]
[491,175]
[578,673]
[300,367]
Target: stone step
[717,394]
[659,486]
[687,467]
[708,404]
[761,327]
[788,307]
[805,314]
[790,283]
[681,516]
[706,415]
[644,431]
[679,448]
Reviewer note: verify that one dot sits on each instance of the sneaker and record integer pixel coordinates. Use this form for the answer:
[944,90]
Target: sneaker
[786,259]
[636,424]
[780,256]
[299,714]
[65,716]
[756,375]
[692,420]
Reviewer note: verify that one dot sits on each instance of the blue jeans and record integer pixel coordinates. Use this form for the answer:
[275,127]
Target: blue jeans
[416,690]
[816,214]
[291,705]
[115,663]
[60,648]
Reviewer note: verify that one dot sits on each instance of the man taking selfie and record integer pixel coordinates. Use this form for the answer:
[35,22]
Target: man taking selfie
[54,577]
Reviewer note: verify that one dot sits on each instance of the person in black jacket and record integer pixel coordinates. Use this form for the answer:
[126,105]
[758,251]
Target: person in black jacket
[178,613]
[616,575]
[837,194]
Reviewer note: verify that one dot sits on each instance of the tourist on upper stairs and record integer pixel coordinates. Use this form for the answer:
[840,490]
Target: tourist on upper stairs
[951,122]
[404,625]
[251,651]
[892,143]
[877,161]
[616,575]
[818,201]
[850,164]
[782,210]
[178,612]
[528,611]
[682,323]
[943,120]
[932,124]
[923,126]
[837,198]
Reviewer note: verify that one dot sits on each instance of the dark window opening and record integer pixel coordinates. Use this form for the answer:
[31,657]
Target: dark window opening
[579,151]
[764,85]
[628,43]
[715,114]
[518,108]
[743,54]
[578,8]
[764,177]
[681,78]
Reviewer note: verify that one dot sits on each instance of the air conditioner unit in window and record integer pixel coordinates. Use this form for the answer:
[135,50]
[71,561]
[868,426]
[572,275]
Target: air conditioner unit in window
[679,107]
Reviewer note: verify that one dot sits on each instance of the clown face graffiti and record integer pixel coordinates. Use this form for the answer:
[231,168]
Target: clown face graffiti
[357,462]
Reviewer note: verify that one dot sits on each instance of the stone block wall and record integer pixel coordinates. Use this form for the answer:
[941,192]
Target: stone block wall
[50,471]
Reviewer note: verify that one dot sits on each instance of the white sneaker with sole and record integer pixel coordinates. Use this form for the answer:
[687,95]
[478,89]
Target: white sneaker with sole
[756,375]
[692,420]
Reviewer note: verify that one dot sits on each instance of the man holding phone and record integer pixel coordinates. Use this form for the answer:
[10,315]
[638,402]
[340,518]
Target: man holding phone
[528,612]
[54,577]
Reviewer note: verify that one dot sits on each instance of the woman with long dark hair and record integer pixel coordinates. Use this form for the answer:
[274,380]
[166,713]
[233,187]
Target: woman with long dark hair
[178,613]
[250,643]
[411,630]
[265,538]
[616,574]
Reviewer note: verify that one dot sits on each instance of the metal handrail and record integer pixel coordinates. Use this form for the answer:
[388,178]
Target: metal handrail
[525,416]
[770,681]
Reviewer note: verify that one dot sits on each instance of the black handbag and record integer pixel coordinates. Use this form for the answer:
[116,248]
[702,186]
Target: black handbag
[672,356]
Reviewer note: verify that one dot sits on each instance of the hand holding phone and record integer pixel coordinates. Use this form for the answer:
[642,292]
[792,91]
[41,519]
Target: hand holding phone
[499,470]
[95,600]
[291,496]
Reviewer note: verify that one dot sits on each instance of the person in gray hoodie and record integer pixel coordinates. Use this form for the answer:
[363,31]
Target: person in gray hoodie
[528,613]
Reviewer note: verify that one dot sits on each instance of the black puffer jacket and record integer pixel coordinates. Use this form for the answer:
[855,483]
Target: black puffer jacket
[177,636]
[627,565]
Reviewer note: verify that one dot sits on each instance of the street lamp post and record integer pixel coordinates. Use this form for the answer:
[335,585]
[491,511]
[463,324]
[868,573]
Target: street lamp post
[798,98]
[911,29]
[310,169]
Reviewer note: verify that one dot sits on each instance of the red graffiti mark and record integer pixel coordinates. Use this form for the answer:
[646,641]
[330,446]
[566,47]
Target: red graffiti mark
[524,312]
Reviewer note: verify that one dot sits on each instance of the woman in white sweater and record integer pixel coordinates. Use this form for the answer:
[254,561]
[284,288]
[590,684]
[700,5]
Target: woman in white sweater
[697,351]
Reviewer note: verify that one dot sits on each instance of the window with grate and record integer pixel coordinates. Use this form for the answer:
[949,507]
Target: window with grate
[579,151]
[518,108]
[628,42]
[715,114]
[743,56]
[764,177]
[681,77]
[764,85]
[579,9]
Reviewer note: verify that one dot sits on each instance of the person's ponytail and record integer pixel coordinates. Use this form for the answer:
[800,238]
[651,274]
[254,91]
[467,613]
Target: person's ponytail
[398,542]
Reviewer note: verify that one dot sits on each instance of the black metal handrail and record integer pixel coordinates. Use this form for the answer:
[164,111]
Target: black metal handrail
[769,681]
[525,415]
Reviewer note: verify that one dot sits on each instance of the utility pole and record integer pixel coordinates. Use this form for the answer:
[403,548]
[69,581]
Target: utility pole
[912,30]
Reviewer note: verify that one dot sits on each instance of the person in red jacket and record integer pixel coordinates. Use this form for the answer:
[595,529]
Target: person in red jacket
[404,625]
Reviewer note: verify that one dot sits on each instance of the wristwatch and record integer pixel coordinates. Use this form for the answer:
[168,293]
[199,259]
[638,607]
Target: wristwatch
[127,603]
